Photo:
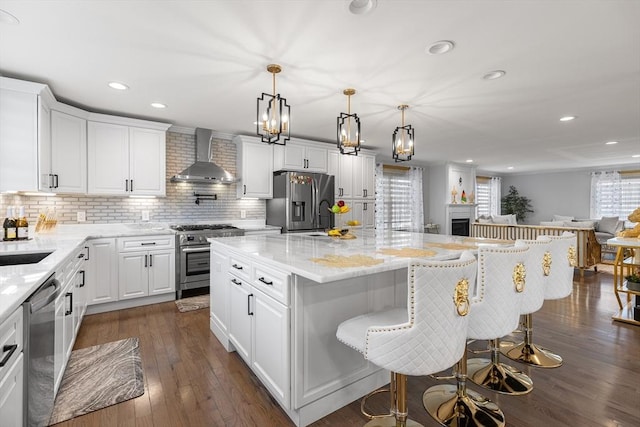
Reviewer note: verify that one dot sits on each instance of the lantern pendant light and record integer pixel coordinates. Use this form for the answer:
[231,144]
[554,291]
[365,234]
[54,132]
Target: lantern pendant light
[403,139]
[273,114]
[348,129]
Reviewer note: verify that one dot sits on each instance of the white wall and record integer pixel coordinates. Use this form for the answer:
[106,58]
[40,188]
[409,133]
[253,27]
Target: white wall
[559,193]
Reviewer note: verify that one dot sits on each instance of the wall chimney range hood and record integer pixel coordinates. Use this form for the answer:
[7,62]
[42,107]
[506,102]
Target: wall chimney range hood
[204,170]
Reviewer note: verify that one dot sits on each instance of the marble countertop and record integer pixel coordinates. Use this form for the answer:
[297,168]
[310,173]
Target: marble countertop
[294,252]
[18,282]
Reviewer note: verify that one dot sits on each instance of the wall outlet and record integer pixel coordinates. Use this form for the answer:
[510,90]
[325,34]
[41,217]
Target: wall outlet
[145,215]
[81,216]
[243,214]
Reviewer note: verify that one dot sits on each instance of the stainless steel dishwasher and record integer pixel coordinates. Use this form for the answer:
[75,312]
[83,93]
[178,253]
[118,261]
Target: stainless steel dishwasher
[39,347]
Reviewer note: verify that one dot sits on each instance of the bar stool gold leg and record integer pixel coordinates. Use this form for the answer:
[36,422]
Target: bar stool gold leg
[455,406]
[528,352]
[496,376]
[399,404]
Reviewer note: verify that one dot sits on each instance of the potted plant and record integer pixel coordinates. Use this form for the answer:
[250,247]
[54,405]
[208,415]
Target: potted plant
[513,203]
[633,282]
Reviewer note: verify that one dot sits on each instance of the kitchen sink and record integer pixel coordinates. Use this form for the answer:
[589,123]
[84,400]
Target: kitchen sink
[18,259]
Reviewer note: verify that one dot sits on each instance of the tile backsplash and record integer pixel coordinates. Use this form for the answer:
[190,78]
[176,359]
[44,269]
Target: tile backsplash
[177,207]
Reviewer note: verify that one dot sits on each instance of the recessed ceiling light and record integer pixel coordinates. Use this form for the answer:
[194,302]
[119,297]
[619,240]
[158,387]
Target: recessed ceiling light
[492,75]
[510,167]
[439,47]
[469,160]
[362,7]
[635,156]
[118,86]
[567,118]
[611,142]
[158,105]
[7,18]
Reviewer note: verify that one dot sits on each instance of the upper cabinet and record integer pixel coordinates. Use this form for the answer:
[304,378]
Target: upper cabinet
[126,160]
[63,163]
[355,175]
[254,168]
[25,114]
[300,156]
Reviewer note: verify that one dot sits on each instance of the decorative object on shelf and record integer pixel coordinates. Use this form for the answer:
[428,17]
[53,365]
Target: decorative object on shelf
[463,197]
[633,282]
[635,231]
[513,203]
[199,197]
[454,193]
[348,129]
[403,139]
[273,114]
[471,197]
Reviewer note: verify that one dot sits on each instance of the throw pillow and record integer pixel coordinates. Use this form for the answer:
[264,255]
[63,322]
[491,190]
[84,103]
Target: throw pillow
[501,219]
[482,220]
[608,224]
[580,224]
[563,218]
[552,223]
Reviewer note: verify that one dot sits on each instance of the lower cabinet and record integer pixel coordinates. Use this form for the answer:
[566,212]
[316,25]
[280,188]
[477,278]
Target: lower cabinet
[146,273]
[11,393]
[102,271]
[259,329]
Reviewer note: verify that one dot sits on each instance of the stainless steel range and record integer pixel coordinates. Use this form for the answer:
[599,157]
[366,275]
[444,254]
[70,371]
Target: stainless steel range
[192,257]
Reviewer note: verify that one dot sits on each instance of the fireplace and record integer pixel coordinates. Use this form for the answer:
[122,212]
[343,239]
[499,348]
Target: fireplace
[460,227]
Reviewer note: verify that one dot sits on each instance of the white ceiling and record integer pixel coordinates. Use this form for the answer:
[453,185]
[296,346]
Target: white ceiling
[207,61]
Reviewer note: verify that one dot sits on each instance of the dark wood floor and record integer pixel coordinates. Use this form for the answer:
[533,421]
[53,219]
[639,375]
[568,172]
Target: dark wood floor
[190,380]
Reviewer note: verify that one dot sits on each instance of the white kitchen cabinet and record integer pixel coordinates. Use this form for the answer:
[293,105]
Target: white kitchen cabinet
[240,317]
[145,272]
[363,211]
[369,177]
[254,167]
[25,128]
[12,392]
[219,291]
[354,175]
[125,160]
[101,271]
[299,156]
[63,163]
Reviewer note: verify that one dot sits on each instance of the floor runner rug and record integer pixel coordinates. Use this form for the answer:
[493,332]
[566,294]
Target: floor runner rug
[193,303]
[97,377]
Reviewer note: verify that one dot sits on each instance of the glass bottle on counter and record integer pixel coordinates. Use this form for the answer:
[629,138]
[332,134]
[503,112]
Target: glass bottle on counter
[9,226]
[22,225]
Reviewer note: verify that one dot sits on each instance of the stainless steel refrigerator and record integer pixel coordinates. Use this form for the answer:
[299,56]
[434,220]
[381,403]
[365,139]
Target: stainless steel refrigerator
[301,201]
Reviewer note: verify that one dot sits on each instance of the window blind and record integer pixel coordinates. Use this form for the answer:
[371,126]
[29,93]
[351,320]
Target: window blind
[397,198]
[617,197]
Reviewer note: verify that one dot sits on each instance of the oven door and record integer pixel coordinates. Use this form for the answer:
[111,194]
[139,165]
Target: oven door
[194,263]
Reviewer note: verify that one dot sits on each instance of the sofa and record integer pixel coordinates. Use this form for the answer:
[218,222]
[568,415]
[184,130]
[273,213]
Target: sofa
[604,229]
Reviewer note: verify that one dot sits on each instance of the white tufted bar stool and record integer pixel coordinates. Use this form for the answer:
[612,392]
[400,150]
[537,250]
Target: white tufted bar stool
[426,337]
[504,280]
[495,311]
[558,283]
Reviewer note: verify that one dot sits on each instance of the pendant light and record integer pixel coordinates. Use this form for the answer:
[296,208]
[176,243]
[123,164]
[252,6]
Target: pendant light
[273,114]
[402,139]
[348,129]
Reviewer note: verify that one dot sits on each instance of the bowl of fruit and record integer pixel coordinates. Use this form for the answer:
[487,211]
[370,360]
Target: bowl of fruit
[340,207]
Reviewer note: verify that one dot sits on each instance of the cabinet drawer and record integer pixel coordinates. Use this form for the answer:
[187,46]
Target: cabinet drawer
[240,267]
[272,282]
[146,242]
[11,333]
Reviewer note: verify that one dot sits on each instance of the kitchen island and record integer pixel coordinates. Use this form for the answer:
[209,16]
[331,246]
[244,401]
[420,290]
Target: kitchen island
[278,299]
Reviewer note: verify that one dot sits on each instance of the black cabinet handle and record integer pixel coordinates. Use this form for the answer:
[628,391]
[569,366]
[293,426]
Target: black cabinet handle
[150,260]
[68,312]
[148,243]
[145,261]
[364,206]
[56,180]
[87,257]
[249,312]
[83,277]
[10,349]
[131,185]
[237,267]
[244,189]
[236,282]
[266,282]
[50,180]
[126,185]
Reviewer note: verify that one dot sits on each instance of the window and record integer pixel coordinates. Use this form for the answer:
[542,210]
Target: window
[488,195]
[399,198]
[614,193]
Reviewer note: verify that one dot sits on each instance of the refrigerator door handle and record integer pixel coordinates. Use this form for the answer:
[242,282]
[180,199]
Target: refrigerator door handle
[314,202]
